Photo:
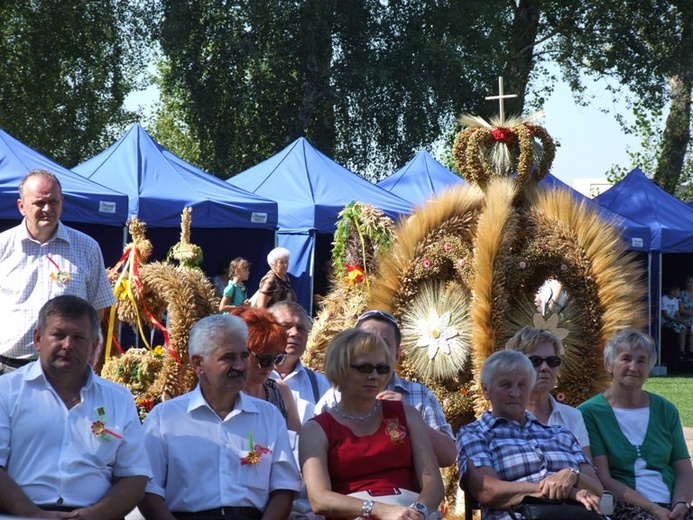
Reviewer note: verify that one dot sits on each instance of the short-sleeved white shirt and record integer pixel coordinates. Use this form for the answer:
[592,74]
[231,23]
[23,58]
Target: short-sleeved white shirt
[52,453]
[196,456]
[302,389]
[571,418]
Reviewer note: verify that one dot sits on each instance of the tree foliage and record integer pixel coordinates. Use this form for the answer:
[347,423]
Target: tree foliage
[67,66]
[367,82]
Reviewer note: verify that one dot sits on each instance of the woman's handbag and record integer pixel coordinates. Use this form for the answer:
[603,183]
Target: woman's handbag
[533,508]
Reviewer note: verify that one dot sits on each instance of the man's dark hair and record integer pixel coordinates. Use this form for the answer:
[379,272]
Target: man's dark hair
[69,307]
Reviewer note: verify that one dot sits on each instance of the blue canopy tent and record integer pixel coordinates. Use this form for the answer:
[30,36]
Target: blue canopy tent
[420,179]
[311,190]
[226,221]
[94,209]
[670,222]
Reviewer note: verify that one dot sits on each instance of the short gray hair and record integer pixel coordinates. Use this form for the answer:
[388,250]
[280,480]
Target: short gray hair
[628,340]
[276,254]
[293,308]
[507,361]
[202,333]
[39,173]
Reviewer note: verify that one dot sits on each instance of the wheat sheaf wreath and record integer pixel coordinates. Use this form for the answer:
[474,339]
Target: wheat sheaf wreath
[484,150]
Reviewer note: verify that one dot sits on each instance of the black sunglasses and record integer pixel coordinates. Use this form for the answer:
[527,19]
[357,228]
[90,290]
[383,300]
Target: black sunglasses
[379,314]
[367,368]
[552,361]
[268,361]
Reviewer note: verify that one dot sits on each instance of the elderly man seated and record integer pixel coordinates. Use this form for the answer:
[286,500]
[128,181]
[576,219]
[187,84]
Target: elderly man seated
[216,452]
[508,454]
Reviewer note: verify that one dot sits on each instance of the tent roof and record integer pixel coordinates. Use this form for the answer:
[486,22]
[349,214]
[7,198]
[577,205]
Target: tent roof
[420,179]
[311,189]
[85,201]
[159,185]
[637,235]
[638,198]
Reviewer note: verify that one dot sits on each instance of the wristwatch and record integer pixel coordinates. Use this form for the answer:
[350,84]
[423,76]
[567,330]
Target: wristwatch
[367,509]
[687,504]
[421,508]
[575,472]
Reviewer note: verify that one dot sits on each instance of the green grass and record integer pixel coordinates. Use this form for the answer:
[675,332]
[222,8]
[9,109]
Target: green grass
[679,390]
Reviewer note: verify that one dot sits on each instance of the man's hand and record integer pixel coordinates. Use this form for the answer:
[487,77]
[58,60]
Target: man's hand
[558,485]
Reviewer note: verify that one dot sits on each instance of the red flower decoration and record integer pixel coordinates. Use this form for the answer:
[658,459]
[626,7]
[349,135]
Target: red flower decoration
[426,263]
[503,135]
[354,274]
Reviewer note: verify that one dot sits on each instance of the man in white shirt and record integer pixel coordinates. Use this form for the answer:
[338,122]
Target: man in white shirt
[69,440]
[216,452]
[39,259]
[306,384]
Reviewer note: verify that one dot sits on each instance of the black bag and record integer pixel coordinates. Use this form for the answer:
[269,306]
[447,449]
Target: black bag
[533,508]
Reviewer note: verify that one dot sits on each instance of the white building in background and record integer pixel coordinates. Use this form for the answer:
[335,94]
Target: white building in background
[591,187]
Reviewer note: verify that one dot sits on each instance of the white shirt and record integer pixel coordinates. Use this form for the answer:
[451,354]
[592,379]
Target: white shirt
[302,389]
[196,456]
[52,453]
[571,418]
[26,267]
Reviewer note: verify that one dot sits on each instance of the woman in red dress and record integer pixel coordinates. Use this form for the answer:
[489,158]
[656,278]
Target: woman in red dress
[357,457]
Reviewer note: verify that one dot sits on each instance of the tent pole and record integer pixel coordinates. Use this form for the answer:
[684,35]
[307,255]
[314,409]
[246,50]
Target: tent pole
[659,310]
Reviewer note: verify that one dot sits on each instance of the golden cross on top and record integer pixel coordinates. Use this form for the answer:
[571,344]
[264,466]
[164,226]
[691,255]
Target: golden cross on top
[500,97]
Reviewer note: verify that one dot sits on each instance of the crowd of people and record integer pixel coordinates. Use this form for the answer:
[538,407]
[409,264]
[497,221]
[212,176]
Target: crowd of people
[261,436]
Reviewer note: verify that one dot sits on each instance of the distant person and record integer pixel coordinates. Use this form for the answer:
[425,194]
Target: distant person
[216,452]
[70,441]
[636,437]
[275,286]
[39,259]
[221,279]
[235,293]
[675,322]
[307,385]
[384,325]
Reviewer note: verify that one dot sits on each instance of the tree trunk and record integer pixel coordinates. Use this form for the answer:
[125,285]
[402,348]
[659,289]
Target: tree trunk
[521,53]
[677,130]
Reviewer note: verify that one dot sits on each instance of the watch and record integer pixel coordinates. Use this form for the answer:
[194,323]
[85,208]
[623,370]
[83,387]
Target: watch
[367,509]
[687,504]
[421,508]
[575,472]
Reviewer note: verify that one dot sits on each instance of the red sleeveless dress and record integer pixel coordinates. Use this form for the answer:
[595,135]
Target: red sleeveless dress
[378,462]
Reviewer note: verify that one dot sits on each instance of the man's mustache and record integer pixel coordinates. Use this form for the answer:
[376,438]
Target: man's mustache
[237,373]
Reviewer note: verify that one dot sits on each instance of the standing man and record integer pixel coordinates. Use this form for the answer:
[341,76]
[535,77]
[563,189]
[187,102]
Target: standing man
[39,259]
[307,385]
[385,325]
[216,452]
[69,440]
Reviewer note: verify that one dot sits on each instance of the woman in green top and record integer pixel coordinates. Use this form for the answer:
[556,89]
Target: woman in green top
[636,437]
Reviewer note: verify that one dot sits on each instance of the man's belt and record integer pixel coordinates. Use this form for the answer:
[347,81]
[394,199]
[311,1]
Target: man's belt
[14,363]
[248,512]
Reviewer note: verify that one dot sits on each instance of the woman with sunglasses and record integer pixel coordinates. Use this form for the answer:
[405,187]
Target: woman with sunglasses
[544,350]
[266,342]
[358,457]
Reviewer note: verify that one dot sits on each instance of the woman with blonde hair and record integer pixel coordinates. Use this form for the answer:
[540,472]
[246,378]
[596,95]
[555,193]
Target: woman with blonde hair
[358,457]
[544,350]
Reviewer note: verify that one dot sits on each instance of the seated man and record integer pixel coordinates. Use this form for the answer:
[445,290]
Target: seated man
[216,452]
[69,440]
[508,454]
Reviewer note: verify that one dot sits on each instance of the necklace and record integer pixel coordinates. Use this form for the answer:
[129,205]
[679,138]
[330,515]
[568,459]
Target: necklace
[363,417]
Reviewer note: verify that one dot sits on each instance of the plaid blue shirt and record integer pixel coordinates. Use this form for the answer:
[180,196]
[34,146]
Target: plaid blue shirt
[517,453]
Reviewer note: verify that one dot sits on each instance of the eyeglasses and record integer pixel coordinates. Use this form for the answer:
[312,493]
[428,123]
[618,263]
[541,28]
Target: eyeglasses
[268,361]
[378,314]
[552,361]
[367,368]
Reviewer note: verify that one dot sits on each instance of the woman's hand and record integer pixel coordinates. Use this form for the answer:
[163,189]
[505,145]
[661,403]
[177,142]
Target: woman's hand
[678,512]
[587,499]
[383,511]
[558,485]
